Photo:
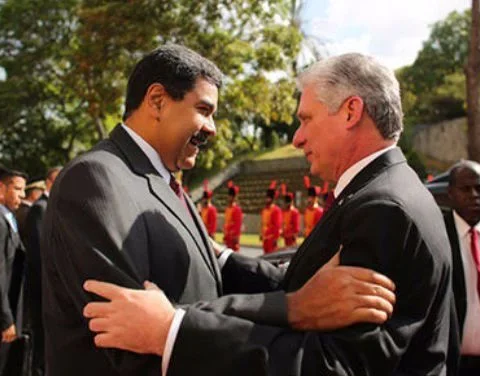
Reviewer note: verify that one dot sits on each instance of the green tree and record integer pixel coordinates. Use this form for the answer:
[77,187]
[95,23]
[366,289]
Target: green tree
[70,59]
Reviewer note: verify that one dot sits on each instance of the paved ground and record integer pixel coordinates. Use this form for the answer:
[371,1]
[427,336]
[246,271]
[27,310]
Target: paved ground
[251,251]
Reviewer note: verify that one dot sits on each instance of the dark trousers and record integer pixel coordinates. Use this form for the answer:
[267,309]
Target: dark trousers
[469,366]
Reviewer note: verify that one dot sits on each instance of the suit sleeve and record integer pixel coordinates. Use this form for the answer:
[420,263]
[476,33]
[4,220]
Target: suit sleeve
[85,239]
[391,244]
[6,312]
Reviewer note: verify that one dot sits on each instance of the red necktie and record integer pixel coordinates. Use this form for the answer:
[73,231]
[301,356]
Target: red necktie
[329,201]
[476,254]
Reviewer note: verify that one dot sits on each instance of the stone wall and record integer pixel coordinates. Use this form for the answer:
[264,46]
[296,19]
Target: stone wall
[445,141]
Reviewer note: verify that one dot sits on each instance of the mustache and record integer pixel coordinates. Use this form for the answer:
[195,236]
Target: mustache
[200,138]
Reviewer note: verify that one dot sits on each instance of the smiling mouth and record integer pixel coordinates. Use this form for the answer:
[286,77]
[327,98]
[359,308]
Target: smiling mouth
[199,139]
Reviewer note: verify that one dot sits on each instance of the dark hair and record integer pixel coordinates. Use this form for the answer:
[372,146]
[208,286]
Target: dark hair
[176,67]
[461,165]
[7,174]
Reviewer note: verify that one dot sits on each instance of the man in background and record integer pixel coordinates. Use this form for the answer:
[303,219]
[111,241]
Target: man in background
[463,227]
[33,230]
[271,221]
[313,211]
[12,188]
[232,229]
[209,211]
[33,191]
[291,219]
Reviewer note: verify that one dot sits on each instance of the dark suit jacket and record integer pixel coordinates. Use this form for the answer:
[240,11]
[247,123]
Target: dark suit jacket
[33,280]
[21,215]
[458,281]
[10,248]
[112,217]
[386,220]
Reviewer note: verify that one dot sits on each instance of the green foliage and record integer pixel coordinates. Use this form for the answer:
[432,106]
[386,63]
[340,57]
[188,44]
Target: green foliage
[67,63]
[433,87]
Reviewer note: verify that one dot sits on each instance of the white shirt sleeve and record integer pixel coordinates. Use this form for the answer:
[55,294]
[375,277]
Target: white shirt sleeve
[222,260]
[171,337]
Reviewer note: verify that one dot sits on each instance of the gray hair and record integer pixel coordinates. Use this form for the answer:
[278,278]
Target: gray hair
[462,164]
[337,78]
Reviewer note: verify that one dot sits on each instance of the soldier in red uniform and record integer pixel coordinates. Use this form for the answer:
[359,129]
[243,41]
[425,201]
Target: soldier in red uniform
[313,211]
[291,219]
[232,228]
[271,221]
[209,211]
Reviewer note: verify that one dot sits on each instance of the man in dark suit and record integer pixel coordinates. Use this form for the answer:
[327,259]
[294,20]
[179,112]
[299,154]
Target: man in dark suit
[382,218]
[116,213]
[12,188]
[463,230]
[33,191]
[33,225]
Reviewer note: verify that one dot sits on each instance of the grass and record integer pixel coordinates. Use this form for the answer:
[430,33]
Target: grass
[287,151]
[253,240]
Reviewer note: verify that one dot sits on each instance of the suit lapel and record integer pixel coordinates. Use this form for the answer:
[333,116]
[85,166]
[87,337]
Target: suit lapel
[325,238]
[141,165]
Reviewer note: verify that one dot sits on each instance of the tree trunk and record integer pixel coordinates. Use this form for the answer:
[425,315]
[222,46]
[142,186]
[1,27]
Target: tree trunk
[102,133]
[473,86]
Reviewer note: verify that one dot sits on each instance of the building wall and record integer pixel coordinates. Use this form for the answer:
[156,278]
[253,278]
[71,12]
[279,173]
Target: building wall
[445,141]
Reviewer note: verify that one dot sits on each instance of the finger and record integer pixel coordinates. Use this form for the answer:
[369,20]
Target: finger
[99,325]
[369,315]
[104,289]
[150,286]
[97,309]
[368,275]
[104,340]
[365,288]
[374,302]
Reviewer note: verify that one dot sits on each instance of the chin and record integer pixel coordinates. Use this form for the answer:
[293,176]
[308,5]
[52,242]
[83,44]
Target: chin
[186,164]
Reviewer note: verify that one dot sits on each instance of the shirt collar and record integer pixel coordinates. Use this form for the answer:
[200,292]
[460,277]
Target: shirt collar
[150,152]
[353,170]
[463,227]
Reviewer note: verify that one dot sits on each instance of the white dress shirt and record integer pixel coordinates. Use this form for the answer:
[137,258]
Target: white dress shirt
[157,163]
[354,169]
[471,328]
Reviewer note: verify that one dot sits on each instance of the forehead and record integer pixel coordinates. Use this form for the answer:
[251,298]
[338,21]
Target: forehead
[467,176]
[204,91]
[309,101]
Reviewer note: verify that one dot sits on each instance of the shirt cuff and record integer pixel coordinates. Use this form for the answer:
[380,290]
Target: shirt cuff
[171,337]
[222,259]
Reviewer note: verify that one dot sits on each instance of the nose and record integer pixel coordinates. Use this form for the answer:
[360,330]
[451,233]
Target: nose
[209,127]
[298,138]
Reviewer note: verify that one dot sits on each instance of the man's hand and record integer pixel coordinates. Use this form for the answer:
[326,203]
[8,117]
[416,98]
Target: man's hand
[9,334]
[134,320]
[336,297]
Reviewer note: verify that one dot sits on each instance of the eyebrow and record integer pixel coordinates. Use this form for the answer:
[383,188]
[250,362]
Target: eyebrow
[204,102]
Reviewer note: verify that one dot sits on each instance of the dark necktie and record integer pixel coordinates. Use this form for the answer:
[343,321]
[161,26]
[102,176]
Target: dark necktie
[179,192]
[476,254]
[176,187]
[329,201]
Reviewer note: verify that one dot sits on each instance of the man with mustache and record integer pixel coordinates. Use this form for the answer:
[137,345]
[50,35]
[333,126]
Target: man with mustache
[117,214]
[463,230]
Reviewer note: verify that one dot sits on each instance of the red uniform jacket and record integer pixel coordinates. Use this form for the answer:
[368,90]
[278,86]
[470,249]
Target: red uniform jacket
[209,216]
[232,228]
[311,217]
[291,225]
[271,227]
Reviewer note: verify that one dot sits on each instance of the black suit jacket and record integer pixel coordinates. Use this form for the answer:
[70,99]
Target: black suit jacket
[11,271]
[459,288]
[112,217]
[385,220]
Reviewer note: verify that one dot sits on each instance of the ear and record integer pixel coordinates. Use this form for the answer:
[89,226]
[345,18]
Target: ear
[352,109]
[155,98]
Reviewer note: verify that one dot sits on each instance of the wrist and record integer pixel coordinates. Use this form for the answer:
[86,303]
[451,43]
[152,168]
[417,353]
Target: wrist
[293,310]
